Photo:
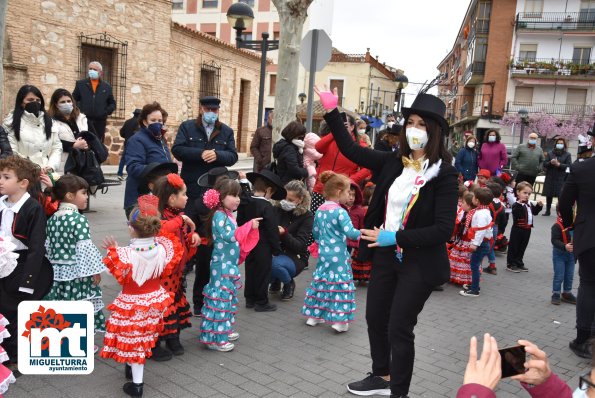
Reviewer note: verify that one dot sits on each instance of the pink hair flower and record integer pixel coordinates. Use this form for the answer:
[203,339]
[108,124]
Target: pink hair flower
[211,198]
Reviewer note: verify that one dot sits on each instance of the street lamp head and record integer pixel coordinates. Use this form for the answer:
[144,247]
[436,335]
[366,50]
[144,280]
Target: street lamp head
[240,16]
[402,81]
[523,114]
[302,97]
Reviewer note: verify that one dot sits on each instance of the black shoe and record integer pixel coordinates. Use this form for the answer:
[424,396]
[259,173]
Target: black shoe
[128,372]
[133,389]
[275,287]
[268,307]
[569,298]
[249,304]
[582,349]
[175,346]
[288,290]
[522,268]
[161,354]
[513,269]
[490,270]
[546,214]
[438,288]
[371,385]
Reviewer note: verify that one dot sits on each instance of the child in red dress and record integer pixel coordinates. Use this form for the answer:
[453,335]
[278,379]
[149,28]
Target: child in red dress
[137,312]
[460,253]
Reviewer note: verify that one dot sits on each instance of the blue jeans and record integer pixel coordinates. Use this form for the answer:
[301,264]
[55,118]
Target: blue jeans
[283,269]
[491,254]
[122,163]
[563,270]
[476,257]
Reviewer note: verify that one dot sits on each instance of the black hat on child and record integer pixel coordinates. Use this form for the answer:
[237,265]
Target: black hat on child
[427,105]
[274,179]
[208,179]
[153,169]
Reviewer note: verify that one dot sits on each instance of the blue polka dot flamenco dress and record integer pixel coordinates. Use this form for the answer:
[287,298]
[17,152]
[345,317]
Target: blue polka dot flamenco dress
[330,297]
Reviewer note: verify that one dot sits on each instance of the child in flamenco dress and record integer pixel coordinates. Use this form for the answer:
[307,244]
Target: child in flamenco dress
[460,253]
[76,261]
[330,297]
[137,312]
[357,213]
[171,192]
[231,245]
[8,262]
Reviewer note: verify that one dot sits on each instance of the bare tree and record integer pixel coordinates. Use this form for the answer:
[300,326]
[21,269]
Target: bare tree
[292,15]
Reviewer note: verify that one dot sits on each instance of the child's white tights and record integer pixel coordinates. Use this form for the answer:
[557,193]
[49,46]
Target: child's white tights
[137,372]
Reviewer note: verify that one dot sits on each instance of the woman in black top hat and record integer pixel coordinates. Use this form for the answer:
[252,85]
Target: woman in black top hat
[409,221]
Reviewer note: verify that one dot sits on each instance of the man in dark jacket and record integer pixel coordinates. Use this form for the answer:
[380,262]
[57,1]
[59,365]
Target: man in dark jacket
[202,144]
[95,99]
[130,127]
[261,144]
[579,189]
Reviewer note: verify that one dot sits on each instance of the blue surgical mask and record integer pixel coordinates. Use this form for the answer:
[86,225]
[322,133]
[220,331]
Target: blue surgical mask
[209,117]
[492,138]
[559,146]
[532,142]
[155,129]
[93,74]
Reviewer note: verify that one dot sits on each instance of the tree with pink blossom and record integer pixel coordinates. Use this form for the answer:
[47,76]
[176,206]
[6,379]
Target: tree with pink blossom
[548,126]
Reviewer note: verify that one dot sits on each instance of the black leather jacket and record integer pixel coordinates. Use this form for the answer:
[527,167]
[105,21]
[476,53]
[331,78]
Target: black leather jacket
[5,149]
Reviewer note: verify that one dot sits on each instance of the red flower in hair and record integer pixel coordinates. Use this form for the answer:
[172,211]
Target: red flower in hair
[175,181]
[148,205]
[211,198]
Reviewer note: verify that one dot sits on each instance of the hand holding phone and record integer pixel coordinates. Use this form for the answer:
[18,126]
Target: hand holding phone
[513,360]
[538,369]
[343,116]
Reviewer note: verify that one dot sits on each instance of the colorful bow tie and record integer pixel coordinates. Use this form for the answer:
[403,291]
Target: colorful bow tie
[416,164]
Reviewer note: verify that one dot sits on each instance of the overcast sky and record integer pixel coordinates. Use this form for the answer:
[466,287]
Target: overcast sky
[412,35]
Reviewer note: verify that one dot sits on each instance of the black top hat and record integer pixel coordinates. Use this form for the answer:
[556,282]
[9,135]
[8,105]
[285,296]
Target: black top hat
[274,179]
[209,178]
[137,112]
[154,169]
[584,149]
[429,106]
[210,101]
[394,130]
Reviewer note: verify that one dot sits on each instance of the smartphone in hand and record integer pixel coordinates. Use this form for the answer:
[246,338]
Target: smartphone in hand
[513,360]
[343,116]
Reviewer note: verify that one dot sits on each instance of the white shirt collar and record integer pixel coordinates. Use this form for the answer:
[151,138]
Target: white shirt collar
[15,208]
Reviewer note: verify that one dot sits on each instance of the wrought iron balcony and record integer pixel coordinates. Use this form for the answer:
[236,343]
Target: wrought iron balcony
[550,67]
[551,109]
[584,21]
[474,72]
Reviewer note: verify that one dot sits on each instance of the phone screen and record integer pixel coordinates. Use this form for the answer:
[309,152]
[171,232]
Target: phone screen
[513,360]
[344,116]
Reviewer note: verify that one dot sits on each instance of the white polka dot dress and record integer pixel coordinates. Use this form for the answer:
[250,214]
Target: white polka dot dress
[331,294]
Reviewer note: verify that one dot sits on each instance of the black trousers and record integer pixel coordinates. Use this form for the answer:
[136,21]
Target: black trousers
[258,275]
[517,244]
[202,275]
[396,295]
[585,301]
[525,177]
[98,127]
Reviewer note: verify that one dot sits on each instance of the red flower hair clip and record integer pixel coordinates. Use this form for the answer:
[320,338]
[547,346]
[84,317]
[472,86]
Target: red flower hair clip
[211,199]
[175,181]
[148,205]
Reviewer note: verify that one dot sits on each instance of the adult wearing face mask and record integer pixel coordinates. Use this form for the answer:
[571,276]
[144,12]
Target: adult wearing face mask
[295,227]
[289,153]
[201,145]
[556,165]
[95,99]
[147,146]
[29,130]
[492,154]
[408,222]
[466,161]
[527,159]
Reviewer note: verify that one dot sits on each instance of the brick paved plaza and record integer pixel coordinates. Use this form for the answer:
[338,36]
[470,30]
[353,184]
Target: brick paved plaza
[277,355]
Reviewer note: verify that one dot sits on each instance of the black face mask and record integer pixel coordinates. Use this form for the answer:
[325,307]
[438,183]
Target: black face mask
[33,107]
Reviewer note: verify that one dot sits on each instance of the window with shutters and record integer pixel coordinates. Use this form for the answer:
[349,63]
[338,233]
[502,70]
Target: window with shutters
[210,73]
[527,52]
[576,96]
[523,96]
[339,84]
[177,4]
[210,3]
[581,55]
[533,8]
[587,11]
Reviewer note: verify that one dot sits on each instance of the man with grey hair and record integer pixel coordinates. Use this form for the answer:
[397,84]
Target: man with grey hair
[94,98]
[528,159]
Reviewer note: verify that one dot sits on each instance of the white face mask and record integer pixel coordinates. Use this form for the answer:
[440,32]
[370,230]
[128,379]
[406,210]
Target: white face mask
[471,144]
[578,393]
[390,124]
[416,138]
[287,205]
[492,138]
[361,131]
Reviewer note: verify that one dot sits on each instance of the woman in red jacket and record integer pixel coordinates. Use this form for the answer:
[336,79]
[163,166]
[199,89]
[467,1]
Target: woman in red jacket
[333,160]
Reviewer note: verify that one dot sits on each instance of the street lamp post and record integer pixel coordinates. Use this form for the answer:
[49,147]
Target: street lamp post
[524,115]
[402,82]
[240,17]
[302,97]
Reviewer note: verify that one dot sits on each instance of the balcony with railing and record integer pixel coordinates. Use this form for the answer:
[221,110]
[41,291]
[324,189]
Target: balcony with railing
[548,21]
[552,68]
[566,110]
[474,73]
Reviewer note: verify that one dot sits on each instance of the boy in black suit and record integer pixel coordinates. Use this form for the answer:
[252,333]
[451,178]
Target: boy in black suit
[266,185]
[23,221]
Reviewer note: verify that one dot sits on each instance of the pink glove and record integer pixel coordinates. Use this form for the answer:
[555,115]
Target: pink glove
[328,99]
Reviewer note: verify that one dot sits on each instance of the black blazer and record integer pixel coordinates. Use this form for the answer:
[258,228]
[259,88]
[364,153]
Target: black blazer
[294,243]
[269,241]
[580,189]
[432,218]
[96,105]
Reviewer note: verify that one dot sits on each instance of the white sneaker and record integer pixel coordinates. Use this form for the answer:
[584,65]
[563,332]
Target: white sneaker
[233,336]
[340,327]
[223,348]
[313,321]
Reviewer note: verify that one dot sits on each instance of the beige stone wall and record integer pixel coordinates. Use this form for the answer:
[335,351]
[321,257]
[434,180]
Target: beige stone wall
[163,62]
